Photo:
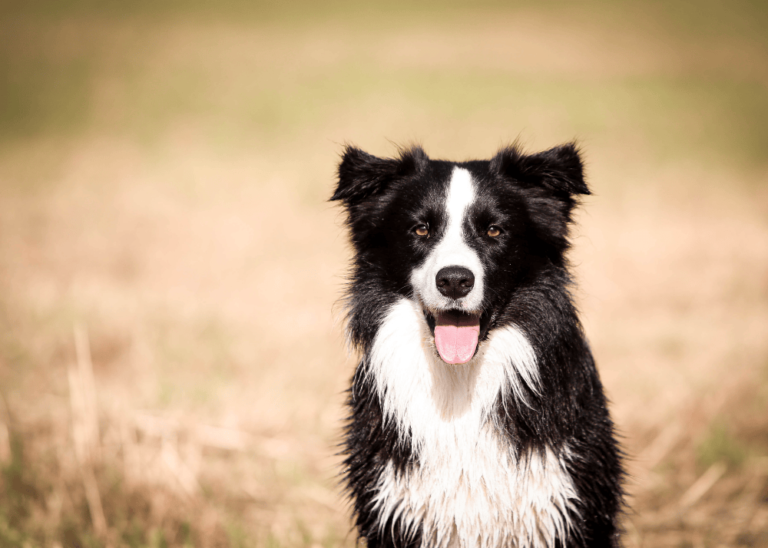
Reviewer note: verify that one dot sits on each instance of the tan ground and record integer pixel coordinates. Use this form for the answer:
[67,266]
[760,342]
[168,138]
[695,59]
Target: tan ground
[162,205]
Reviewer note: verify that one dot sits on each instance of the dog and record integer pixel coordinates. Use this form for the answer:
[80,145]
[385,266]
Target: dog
[477,416]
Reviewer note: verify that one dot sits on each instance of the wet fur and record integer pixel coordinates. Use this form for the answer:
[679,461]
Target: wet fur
[515,447]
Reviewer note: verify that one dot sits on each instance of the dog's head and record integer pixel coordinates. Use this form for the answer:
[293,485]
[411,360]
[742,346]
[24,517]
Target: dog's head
[458,238]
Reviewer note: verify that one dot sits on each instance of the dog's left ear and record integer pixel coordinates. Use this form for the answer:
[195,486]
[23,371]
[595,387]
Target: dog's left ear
[558,169]
[551,181]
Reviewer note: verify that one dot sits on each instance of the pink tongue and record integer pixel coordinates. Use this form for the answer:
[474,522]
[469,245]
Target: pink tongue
[456,337]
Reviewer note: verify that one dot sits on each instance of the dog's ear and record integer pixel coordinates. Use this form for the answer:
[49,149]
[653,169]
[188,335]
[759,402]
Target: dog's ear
[558,169]
[362,175]
[551,182]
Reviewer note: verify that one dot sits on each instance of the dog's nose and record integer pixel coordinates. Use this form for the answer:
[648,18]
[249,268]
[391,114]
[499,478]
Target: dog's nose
[455,281]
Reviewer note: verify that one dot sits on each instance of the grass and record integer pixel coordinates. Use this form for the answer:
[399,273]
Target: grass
[720,445]
[164,170]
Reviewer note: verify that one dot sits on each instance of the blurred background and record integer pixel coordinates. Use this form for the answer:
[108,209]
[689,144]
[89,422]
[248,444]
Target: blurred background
[172,363]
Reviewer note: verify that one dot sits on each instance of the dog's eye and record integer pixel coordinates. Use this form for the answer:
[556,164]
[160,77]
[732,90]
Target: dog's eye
[422,230]
[493,231]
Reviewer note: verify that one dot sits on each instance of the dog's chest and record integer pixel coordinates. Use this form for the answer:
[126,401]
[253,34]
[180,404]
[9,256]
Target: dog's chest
[471,491]
[469,488]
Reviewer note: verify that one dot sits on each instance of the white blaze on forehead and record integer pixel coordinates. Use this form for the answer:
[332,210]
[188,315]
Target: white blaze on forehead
[452,250]
[461,194]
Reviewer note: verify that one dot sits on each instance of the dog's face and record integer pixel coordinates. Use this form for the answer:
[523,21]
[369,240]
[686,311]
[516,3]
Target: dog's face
[458,238]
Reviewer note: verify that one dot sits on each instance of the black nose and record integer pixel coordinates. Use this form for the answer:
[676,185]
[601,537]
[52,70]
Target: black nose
[455,281]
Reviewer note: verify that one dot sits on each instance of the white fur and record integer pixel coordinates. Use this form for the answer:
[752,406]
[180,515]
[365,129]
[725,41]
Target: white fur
[452,250]
[469,489]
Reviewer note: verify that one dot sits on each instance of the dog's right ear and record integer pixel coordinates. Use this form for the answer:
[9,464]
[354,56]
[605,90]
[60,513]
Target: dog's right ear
[362,175]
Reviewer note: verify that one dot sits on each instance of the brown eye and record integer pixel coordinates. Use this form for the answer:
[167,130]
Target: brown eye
[493,231]
[422,230]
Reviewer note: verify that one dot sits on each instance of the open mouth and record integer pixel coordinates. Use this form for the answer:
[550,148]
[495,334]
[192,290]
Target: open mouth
[457,334]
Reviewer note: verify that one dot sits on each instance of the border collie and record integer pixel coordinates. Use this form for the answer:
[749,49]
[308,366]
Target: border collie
[477,418]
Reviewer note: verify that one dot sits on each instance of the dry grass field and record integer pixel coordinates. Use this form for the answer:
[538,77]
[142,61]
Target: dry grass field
[172,363]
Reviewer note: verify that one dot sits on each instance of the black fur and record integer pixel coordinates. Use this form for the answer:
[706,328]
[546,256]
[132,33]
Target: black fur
[527,282]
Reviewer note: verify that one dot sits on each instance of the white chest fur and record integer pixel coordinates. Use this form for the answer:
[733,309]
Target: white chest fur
[470,488]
